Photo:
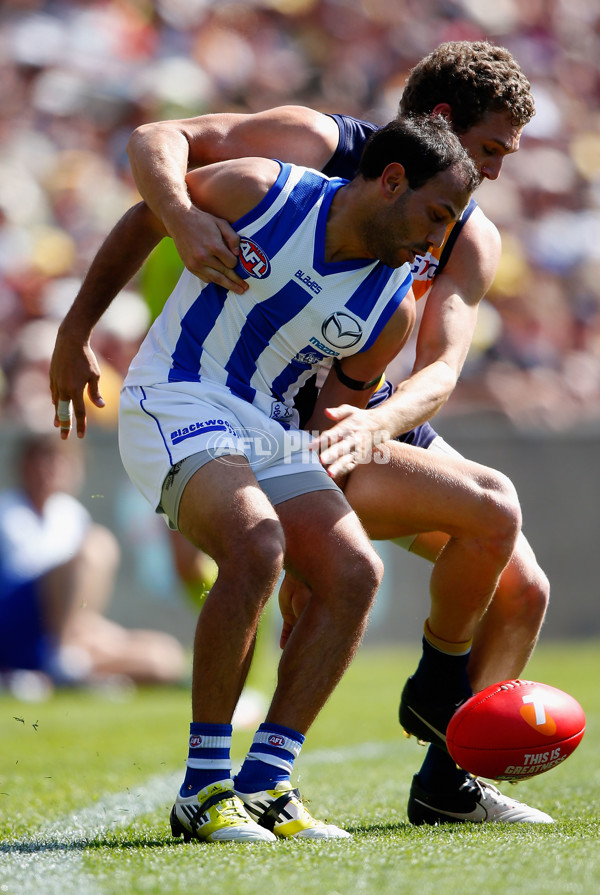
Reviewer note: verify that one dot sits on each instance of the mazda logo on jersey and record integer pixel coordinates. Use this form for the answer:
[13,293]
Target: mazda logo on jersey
[253,259]
[341,330]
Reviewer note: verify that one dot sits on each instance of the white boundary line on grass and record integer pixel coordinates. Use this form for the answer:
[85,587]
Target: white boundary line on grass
[52,861]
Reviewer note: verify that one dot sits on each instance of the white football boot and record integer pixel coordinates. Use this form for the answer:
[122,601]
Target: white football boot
[475,802]
[282,811]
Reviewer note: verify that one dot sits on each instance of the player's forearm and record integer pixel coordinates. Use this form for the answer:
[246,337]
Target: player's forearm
[417,399]
[159,156]
[119,258]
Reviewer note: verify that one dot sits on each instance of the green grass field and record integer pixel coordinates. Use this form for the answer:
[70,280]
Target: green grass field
[86,785]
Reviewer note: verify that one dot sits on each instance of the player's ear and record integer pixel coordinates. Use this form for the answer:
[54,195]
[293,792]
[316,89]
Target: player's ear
[393,180]
[445,110]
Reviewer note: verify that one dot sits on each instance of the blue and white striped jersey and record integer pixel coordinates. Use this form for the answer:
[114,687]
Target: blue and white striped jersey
[298,313]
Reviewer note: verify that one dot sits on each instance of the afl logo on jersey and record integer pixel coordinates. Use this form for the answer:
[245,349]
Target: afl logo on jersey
[253,259]
[341,330]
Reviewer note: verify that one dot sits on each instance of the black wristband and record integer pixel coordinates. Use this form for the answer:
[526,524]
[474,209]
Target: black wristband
[356,384]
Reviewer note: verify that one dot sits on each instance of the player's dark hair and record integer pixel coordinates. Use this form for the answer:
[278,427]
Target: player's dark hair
[475,78]
[424,145]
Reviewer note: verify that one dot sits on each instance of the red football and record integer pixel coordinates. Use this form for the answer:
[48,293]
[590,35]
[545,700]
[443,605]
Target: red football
[515,730]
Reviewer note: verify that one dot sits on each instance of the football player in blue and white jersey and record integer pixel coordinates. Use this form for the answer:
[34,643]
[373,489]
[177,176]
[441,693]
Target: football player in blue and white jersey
[468,528]
[209,434]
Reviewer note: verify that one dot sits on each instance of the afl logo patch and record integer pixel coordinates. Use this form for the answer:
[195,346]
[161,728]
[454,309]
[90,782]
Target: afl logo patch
[341,330]
[253,259]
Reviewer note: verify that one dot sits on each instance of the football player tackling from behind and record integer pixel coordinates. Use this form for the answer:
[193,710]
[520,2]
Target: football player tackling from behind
[462,517]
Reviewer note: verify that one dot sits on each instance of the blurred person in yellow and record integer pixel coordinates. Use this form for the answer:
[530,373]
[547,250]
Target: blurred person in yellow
[57,574]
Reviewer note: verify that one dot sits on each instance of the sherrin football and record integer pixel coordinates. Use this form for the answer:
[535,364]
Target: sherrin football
[515,730]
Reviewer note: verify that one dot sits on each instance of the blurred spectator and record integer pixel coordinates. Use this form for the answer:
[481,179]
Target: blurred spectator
[57,573]
[76,76]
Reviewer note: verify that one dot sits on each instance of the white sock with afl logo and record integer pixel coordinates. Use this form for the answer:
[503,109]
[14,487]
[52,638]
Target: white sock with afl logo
[208,756]
[270,759]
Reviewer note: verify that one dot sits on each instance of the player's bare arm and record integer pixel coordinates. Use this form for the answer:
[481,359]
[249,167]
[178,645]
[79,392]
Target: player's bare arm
[445,334]
[73,366]
[162,152]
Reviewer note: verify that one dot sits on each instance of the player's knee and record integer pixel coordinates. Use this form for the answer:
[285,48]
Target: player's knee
[534,593]
[260,559]
[524,589]
[358,577]
[501,518]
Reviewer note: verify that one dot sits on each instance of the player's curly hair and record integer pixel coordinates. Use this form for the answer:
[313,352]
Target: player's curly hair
[474,78]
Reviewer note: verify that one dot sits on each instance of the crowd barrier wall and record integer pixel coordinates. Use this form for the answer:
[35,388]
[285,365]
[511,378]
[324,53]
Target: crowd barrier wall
[556,474]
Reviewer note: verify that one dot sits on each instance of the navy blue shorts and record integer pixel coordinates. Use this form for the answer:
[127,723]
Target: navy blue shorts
[421,437]
[23,643]
[305,400]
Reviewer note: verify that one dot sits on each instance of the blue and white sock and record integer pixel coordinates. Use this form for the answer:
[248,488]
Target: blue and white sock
[270,759]
[208,756]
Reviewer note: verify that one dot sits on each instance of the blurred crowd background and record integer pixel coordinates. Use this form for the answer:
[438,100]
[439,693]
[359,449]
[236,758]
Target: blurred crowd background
[77,76]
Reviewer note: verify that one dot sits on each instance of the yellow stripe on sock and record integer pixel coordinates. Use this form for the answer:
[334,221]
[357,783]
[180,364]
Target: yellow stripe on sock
[446,646]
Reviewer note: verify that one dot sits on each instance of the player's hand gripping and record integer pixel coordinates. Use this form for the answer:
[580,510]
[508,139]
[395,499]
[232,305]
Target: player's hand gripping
[72,368]
[208,246]
[352,440]
[294,596]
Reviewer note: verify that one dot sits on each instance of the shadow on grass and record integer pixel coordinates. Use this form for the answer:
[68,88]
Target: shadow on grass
[379,829]
[59,844]
[569,830]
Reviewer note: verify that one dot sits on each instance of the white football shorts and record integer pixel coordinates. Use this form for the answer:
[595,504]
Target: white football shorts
[162,425]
